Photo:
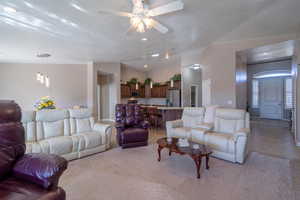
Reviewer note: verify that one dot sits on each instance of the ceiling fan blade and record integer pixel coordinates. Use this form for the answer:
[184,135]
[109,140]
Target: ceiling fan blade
[168,8]
[110,12]
[158,26]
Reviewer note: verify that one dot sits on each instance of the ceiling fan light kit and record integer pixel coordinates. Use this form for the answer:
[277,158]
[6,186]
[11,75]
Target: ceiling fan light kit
[141,16]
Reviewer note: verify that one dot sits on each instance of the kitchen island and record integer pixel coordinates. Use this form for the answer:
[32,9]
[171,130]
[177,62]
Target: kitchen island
[170,114]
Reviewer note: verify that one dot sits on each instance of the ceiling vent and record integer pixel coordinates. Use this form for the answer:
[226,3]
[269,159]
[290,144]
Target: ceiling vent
[43,55]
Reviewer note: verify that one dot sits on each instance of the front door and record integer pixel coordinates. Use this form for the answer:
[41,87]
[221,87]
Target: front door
[271,98]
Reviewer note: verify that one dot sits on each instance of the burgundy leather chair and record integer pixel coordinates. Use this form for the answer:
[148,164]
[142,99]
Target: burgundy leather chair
[25,176]
[132,129]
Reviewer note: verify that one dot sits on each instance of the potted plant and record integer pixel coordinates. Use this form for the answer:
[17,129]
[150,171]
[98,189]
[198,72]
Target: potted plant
[148,81]
[156,84]
[132,81]
[176,77]
[45,103]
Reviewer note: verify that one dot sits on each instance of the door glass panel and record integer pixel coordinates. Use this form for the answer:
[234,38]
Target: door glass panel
[193,96]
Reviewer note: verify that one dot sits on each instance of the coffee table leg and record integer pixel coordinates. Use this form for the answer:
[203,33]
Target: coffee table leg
[207,160]
[159,150]
[198,165]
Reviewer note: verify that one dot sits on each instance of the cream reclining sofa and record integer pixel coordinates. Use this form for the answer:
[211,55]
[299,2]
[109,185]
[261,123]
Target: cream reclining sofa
[70,133]
[224,130]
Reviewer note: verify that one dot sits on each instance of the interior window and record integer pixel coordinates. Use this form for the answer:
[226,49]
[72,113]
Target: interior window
[288,89]
[255,93]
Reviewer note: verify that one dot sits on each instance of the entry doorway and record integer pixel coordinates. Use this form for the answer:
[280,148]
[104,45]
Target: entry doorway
[271,98]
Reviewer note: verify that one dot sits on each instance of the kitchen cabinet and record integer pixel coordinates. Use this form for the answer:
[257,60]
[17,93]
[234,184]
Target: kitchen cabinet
[128,91]
[125,91]
[159,91]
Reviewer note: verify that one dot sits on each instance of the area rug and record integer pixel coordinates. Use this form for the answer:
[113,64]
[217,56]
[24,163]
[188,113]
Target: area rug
[135,174]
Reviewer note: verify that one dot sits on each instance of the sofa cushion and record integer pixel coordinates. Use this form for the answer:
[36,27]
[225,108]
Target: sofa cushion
[81,120]
[57,145]
[53,129]
[210,112]
[229,120]
[182,132]
[134,135]
[198,135]
[220,141]
[192,116]
[29,124]
[92,139]
[41,169]
[52,123]
[83,125]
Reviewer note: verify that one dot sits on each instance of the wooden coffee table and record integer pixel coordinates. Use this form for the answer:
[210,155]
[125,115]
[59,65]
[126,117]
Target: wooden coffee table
[195,154]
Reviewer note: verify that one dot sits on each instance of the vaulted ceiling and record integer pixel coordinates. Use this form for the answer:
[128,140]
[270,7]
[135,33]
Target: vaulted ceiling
[72,31]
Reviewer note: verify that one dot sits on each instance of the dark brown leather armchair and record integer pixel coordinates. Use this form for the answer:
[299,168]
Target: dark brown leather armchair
[132,129]
[25,176]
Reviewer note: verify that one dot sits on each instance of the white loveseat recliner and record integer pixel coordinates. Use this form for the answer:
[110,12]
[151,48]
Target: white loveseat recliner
[192,117]
[227,138]
[69,133]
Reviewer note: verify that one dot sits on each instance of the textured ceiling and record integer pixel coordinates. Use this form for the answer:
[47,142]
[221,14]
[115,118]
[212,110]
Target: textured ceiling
[73,32]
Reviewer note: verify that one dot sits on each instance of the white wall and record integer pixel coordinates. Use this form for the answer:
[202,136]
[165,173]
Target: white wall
[128,73]
[68,84]
[163,74]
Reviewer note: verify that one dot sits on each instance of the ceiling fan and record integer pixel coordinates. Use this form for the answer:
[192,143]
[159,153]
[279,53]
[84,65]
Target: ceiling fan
[141,17]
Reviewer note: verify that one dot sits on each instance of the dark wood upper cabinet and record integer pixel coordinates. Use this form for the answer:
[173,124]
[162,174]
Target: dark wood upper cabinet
[125,91]
[159,91]
[144,91]
[128,91]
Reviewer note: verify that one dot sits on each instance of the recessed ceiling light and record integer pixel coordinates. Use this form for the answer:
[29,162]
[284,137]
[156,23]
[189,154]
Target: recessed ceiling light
[195,66]
[9,9]
[144,39]
[155,55]
[265,54]
[145,66]
[43,55]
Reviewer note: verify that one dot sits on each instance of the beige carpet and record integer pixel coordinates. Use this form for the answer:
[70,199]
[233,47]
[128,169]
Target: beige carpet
[135,174]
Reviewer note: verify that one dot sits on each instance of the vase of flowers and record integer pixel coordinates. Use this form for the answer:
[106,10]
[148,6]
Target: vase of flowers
[45,103]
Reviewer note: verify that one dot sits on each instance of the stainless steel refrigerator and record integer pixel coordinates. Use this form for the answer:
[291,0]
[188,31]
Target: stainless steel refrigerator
[174,98]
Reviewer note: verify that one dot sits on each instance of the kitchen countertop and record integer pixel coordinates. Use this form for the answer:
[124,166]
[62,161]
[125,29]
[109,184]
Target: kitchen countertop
[170,108]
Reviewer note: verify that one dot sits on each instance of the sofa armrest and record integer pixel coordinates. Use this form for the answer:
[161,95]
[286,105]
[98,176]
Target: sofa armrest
[174,124]
[206,126]
[105,130]
[120,125]
[102,128]
[42,169]
[244,132]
